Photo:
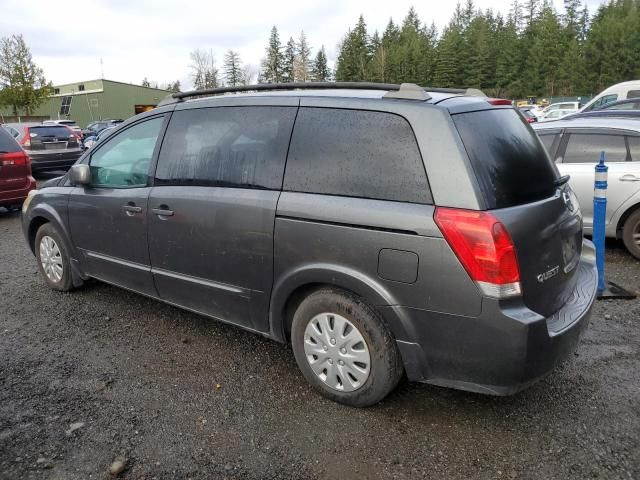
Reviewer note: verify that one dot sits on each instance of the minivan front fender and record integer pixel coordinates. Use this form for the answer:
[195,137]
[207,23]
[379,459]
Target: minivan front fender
[286,296]
[49,207]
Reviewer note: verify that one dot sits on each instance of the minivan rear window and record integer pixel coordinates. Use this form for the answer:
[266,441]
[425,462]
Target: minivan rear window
[49,131]
[510,163]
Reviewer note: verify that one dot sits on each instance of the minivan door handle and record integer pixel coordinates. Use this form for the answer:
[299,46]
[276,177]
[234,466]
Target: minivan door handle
[629,178]
[162,211]
[131,209]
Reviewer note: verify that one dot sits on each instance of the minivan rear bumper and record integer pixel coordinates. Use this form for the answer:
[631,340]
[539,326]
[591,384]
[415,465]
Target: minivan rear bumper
[504,350]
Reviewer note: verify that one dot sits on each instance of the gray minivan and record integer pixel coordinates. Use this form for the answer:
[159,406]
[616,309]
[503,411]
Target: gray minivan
[383,230]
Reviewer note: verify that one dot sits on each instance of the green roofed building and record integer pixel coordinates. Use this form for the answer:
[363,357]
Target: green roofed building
[92,100]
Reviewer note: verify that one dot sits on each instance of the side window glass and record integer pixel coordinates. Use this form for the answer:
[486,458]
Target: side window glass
[357,154]
[586,148]
[623,106]
[633,94]
[123,161]
[227,147]
[548,141]
[634,148]
[603,101]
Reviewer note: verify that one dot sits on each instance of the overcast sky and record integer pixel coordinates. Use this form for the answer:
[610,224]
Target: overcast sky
[153,38]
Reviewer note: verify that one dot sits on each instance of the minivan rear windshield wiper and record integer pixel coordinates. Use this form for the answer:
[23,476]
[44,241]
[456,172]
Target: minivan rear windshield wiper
[562,180]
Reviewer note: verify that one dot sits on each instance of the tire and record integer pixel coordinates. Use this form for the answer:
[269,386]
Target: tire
[632,227]
[341,369]
[51,249]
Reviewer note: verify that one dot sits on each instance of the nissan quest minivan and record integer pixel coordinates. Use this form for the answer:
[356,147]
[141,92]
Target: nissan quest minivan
[382,230]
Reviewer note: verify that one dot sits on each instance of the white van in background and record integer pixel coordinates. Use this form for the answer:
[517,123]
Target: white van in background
[619,91]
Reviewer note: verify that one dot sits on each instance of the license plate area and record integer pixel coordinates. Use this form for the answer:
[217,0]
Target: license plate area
[55,145]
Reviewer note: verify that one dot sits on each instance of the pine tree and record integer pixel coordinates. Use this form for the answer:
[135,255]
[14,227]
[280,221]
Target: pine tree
[545,54]
[233,72]
[508,62]
[611,49]
[145,82]
[272,66]
[288,61]
[320,71]
[531,9]
[354,56]
[386,61]
[478,40]
[516,15]
[446,72]
[303,57]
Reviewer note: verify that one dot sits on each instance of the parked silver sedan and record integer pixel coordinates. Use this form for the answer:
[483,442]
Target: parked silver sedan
[575,145]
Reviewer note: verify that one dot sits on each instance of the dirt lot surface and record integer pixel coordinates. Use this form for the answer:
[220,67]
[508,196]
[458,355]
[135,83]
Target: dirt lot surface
[101,373]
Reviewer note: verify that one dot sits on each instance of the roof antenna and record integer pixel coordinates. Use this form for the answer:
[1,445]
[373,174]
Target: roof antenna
[101,69]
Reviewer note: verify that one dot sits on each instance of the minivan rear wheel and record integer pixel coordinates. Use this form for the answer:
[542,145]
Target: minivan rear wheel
[343,348]
[53,258]
[631,234]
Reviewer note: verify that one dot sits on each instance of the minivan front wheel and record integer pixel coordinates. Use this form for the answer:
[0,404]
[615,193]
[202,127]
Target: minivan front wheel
[53,260]
[343,348]
[631,234]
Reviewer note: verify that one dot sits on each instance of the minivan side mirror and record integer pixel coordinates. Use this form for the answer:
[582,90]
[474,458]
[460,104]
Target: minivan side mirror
[80,174]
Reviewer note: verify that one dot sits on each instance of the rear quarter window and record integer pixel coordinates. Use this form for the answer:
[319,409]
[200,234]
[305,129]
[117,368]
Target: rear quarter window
[356,153]
[510,163]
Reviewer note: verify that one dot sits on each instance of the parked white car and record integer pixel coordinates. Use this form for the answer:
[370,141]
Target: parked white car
[576,144]
[533,108]
[620,91]
[556,114]
[561,106]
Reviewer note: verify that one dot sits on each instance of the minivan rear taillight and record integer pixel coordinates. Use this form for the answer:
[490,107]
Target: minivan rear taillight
[14,158]
[485,249]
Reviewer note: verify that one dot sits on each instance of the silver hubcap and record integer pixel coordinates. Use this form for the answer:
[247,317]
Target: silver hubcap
[51,259]
[636,234]
[337,352]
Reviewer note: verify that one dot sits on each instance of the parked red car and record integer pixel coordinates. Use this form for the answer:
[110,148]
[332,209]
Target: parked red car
[16,180]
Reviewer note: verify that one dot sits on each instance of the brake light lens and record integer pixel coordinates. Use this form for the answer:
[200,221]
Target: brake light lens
[499,101]
[26,141]
[14,158]
[485,249]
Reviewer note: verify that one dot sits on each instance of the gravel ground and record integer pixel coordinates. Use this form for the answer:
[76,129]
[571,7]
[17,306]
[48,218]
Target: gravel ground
[102,373]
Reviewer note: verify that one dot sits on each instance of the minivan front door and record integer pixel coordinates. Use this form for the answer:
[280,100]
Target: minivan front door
[212,210]
[108,218]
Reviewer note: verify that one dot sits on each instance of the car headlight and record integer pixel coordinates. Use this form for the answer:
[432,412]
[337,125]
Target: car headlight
[25,205]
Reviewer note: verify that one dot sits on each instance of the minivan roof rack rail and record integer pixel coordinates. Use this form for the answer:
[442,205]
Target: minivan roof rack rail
[405,90]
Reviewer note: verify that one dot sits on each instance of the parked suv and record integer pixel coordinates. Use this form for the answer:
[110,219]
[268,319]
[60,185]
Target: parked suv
[50,147]
[382,230]
[15,172]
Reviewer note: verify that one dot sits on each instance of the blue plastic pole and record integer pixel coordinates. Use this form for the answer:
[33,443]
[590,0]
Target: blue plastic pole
[599,217]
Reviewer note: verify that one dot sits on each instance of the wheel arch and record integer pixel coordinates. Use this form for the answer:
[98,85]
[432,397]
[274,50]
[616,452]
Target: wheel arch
[297,284]
[623,218]
[42,214]
[34,225]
